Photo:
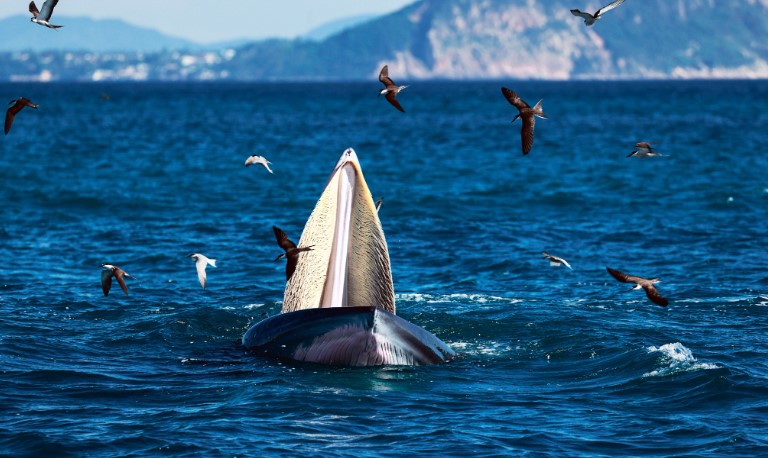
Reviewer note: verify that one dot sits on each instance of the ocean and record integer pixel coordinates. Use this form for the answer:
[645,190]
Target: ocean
[551,362]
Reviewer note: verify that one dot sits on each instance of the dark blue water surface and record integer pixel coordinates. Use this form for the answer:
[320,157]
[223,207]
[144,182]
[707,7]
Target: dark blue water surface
[551,362]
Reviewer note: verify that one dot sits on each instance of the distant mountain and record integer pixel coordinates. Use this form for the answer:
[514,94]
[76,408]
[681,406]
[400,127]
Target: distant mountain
[332,28]
[84,34]
[480,39]
[457,39]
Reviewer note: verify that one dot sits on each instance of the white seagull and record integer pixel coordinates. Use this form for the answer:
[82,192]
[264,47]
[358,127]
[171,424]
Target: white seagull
[555,261]
[258,160]
[42,17]
[201,262]
[590,19]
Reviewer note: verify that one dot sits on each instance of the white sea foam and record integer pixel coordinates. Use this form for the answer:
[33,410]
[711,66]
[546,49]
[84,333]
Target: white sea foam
[457,297]
[480,348]
[675,358]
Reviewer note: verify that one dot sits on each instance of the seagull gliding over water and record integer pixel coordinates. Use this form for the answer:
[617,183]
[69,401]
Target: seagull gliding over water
[42,17]
[590,19]
[113,271]
[527,115]
[555,261]
[391,89]
[201,262]
[254,159]
[291,251]
[16,106]
[647,285]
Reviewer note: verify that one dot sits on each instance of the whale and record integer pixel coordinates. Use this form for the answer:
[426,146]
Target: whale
[339,305]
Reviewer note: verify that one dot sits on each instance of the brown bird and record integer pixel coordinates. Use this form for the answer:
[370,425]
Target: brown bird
[590,19]
[527,114]
[390,88]
[16,106]
[42,17]
[113,271]
[640,282]
[291,251]
[644,149]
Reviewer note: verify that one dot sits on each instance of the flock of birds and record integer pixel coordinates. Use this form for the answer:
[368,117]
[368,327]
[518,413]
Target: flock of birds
[526,114]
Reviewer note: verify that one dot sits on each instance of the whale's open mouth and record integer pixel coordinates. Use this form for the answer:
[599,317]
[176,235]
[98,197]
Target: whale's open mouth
[339,305]
[349,264]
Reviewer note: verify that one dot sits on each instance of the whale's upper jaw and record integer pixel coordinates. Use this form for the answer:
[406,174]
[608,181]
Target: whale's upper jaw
[348,155]
[349,265]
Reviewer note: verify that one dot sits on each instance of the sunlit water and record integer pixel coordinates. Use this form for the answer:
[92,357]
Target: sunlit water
[551,362]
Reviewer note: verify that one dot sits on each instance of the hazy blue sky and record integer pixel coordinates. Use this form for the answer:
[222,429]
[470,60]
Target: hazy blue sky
[206,21]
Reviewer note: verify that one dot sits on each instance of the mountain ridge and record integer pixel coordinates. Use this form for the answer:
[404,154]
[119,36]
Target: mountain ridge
[475,39]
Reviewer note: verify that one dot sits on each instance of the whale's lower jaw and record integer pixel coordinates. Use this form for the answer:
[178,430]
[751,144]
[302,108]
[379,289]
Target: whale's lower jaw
[346,336]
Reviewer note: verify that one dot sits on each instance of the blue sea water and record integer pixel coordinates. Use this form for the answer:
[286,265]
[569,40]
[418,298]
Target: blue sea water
[551,362]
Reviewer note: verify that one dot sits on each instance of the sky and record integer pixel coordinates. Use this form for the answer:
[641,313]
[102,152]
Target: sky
[209,21]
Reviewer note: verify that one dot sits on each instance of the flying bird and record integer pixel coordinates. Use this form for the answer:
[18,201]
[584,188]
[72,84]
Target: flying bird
[644,149]
[113,271]
[391,89]
[42,17]
[527,114]
[291,251]
[201,262]
[640,282]
[555,261]
[254,159]
[16,106]
[590,19]
[378,203]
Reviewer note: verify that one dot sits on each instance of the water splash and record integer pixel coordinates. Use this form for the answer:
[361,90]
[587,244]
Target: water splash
[676,358]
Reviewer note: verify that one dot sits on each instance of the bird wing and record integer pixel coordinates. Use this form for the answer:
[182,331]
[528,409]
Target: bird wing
[514,99]
[266,164]
[526,133]
[290,266]
[621,276]
[565,262]
[653,295]
[582,14]
[9,116]
[200,264]
[384,77]
[106,281]
[119,277]
[47,10]
[392,98]
[17,106]
[608,7]
[33,9]
[282,239]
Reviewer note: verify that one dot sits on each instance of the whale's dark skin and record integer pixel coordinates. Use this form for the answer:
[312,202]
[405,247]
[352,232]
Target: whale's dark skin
[346,336]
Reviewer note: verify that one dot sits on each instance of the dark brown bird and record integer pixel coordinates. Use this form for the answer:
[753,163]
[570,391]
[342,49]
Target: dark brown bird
[640,282]
[527,114]
[390,88]
[291,251]
[113,271]
[16,106]
[590,19]
[644,149]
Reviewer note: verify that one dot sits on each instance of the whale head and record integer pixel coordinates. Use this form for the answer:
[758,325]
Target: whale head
[349,265]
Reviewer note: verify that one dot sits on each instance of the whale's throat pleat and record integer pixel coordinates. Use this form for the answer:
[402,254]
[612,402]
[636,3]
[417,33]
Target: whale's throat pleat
[335,291]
